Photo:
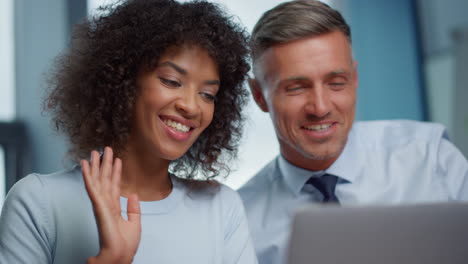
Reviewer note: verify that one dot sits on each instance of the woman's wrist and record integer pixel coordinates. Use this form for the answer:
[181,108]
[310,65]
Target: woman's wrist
[108,258]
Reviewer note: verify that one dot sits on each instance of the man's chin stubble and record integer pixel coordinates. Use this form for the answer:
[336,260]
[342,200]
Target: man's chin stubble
[331,155]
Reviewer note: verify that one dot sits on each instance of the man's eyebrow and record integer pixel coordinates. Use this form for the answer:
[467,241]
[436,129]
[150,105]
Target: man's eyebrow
[337,72]
[294,78]
[297,78]
[174,66]
[304,78]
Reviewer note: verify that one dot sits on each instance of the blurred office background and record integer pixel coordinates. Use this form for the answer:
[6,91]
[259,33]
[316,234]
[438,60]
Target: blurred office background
[412,60]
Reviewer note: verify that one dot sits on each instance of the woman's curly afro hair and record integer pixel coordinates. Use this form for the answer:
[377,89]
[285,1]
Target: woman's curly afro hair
[93,85]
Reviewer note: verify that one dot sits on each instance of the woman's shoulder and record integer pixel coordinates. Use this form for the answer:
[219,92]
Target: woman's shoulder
[38,188]
[34,206]
[70,177]
[36,182]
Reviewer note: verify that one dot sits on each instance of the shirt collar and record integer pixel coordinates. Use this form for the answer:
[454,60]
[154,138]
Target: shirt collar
[349,163]
[346,167]
[295,177]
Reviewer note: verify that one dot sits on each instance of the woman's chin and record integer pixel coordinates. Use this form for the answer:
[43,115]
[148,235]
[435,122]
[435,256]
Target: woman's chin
[172,155]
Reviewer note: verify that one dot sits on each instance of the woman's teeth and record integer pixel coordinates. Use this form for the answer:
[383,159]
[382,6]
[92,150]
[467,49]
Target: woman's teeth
[176,125]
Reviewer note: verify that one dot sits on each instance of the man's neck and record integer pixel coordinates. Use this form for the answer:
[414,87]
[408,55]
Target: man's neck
[310,163]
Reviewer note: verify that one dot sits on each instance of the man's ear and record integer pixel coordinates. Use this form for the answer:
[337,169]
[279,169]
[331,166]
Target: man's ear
[355,74]
[257,94]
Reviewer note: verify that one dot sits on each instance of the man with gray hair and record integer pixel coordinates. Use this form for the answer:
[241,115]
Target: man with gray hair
[305,77]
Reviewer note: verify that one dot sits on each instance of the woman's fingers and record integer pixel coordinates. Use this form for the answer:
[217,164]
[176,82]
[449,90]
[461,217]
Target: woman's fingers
[115,182]
[106,166]
[95,165]
[134,223]
[133,209]
[85,170]
[102,177]
[88,179]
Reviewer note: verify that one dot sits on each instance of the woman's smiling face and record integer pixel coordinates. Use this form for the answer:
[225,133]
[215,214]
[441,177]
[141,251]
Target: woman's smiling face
[175,103]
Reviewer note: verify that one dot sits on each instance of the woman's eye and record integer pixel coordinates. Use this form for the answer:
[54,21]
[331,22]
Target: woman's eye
[169,82]
[208,96]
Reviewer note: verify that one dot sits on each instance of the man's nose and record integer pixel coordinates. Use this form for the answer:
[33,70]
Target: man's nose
[318,102]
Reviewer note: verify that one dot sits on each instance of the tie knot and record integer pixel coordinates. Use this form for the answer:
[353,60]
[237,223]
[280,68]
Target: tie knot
[326,185]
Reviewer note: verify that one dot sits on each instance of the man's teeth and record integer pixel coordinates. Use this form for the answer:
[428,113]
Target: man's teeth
[177,125]
[318,127]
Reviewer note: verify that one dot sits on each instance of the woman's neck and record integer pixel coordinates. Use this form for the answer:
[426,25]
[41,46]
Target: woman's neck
[145,175]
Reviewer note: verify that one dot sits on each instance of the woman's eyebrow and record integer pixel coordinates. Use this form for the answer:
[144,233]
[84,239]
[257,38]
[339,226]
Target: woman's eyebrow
[184,72]
[174,66]
[213,82]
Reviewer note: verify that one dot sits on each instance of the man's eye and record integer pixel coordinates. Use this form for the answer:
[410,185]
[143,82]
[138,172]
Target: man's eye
[169,82]
[294,88]
[337,85]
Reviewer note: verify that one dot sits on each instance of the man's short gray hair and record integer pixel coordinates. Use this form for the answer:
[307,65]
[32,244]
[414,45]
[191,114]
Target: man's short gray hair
[295,20]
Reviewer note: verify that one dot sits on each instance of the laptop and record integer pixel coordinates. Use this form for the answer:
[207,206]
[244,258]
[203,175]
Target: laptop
[409,234]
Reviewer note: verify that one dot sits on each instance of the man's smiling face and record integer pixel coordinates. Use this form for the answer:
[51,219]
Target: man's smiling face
[309,88]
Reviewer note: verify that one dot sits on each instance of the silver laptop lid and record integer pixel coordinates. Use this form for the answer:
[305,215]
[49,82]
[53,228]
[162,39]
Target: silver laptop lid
[410,234]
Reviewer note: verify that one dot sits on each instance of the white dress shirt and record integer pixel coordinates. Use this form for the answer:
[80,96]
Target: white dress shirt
[383,162]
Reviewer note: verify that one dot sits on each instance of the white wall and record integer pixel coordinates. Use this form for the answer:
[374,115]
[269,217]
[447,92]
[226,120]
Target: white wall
[7,102]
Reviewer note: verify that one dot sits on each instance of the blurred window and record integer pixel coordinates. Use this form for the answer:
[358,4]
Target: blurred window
[2,173]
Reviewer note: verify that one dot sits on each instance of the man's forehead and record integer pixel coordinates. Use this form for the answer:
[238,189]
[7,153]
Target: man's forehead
[272,73]
[330,40]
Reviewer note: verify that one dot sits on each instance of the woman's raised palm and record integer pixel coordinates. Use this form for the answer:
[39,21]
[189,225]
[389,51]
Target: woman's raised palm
[118,237]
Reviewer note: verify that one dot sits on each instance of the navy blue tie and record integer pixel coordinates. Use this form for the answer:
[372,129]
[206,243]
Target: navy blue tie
[326,185]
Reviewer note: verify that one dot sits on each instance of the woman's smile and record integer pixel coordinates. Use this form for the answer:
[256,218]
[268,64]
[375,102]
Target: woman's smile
[177,128]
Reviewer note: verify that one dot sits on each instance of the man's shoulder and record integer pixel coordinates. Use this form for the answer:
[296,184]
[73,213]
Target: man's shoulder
[390,132]
[260,181]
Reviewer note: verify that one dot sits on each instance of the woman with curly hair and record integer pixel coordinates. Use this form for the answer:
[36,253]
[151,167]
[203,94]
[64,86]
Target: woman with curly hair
[154,90]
